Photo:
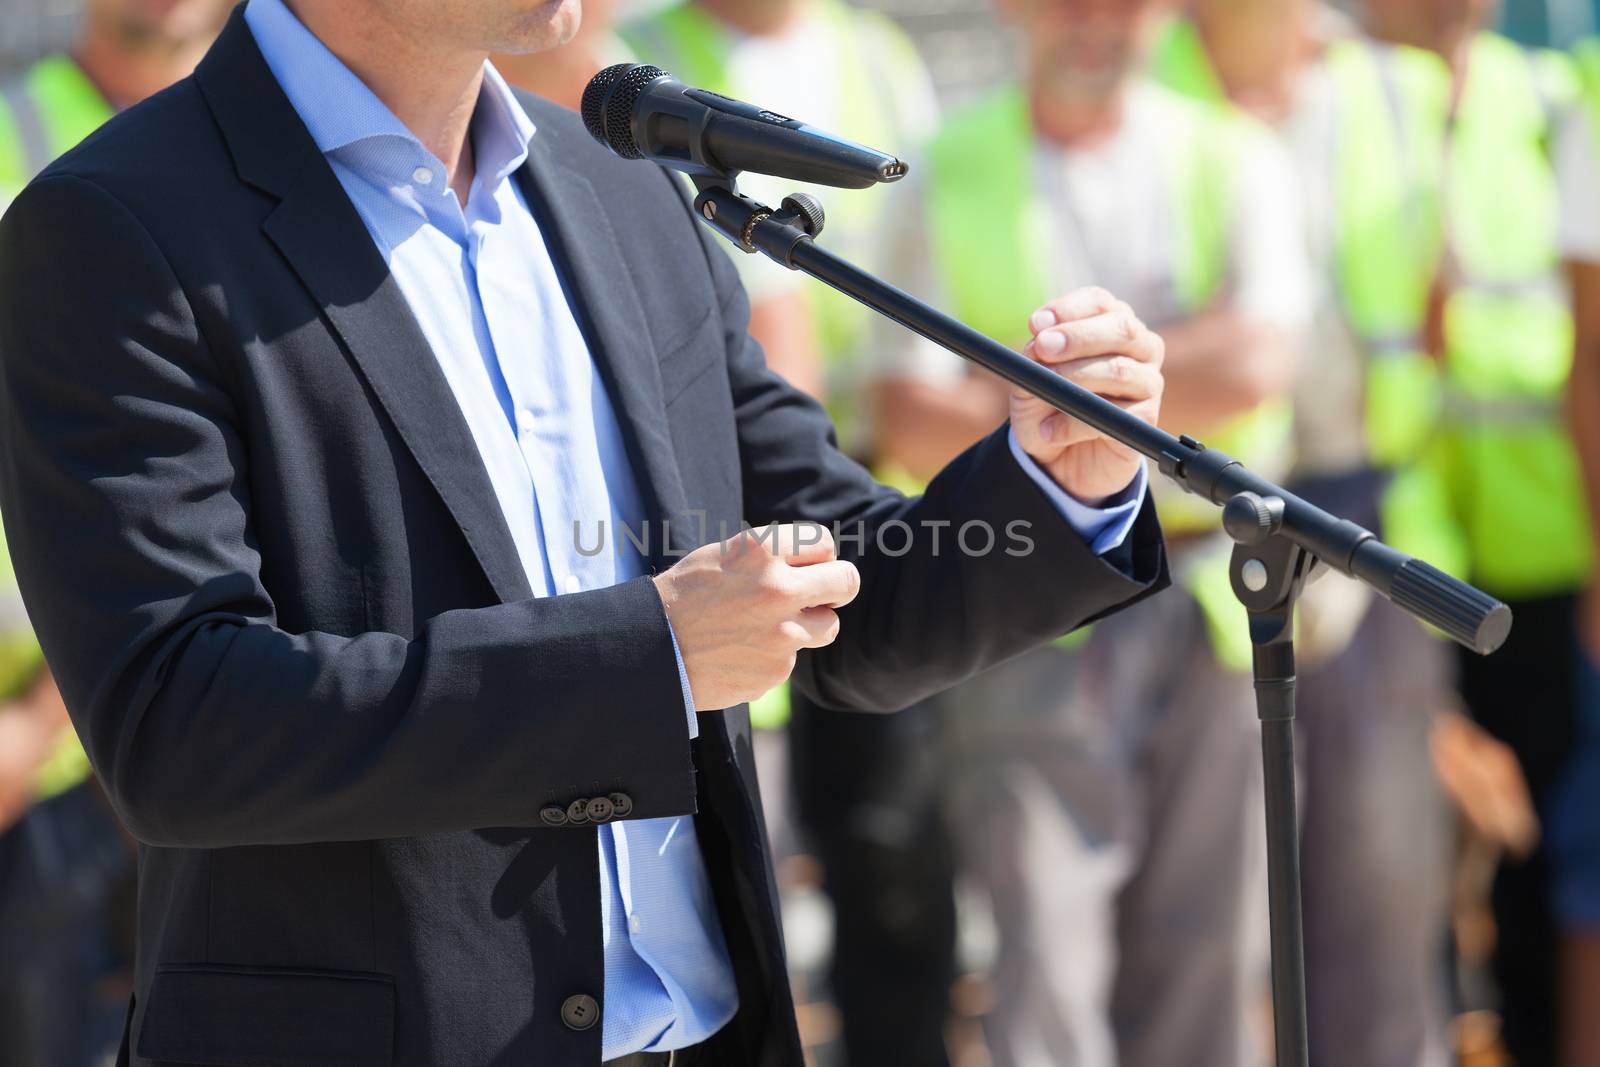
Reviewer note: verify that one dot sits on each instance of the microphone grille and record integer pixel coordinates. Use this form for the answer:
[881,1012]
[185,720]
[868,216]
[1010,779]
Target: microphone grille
[594,100]
[619,108]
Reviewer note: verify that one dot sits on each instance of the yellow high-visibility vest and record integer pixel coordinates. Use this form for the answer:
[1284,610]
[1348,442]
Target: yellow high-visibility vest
[1505,452]
[48,109]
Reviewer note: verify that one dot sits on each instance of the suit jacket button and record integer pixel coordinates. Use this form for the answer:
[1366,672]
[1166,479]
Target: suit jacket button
[553,815]
[578,812]
[600,809]
[579,1012]
[621,805]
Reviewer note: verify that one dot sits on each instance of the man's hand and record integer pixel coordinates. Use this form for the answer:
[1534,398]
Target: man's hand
[743,608]
[1095,340]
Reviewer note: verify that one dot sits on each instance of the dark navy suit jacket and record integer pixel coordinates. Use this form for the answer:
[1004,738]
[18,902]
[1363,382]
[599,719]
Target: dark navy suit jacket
[270,574]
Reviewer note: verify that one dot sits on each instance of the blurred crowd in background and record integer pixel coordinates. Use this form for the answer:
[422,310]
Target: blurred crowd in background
[1370,235]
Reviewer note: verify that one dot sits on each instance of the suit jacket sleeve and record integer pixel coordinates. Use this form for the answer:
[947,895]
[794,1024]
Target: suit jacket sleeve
[128,511]
[939,602]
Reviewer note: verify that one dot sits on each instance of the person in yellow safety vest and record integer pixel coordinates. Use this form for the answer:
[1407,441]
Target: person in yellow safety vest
[1503,334]
[854,73]
[1107,793]
[1573,819]
[1362,122]
[63,858]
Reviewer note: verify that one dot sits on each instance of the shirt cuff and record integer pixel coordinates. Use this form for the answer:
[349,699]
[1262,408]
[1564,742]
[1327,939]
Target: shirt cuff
[1102,528]
[683,680]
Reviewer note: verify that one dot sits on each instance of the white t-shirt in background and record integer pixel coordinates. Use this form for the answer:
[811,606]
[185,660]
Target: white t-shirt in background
[1576,156]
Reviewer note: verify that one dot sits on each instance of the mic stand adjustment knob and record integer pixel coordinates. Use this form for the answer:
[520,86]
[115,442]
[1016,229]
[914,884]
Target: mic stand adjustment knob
[806,212]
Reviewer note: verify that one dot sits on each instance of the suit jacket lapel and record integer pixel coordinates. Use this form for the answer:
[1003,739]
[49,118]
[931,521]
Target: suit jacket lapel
[574,224]
[324,240]
[334,256]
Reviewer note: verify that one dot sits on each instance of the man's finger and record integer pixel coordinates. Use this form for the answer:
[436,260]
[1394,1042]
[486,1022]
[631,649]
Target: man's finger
[812,628]
[1113,377]
[1065,431]
[798,544]
[832,584]
[1115,331]
[1078,304]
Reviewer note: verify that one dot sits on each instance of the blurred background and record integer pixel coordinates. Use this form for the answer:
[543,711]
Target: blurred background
[1371,235]
[964,46]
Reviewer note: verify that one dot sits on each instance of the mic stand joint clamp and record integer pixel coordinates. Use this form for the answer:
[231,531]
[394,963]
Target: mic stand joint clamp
[753,226]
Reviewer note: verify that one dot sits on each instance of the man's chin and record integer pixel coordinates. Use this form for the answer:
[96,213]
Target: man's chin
[543,26]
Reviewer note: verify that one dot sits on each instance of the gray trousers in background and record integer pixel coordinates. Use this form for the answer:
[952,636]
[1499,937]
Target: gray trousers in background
[1375,847]
[1108,799]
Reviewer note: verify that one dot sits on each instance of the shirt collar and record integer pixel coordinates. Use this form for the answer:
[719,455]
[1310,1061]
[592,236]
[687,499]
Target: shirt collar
[501,129]
[339,110]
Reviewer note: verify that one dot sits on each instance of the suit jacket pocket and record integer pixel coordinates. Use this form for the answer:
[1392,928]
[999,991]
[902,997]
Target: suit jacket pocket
[268,1017]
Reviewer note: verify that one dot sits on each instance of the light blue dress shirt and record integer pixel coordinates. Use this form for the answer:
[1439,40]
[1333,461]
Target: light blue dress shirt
[490,303]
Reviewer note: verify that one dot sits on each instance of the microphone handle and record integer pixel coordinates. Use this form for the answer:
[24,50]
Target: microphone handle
[707,135]
[794,151]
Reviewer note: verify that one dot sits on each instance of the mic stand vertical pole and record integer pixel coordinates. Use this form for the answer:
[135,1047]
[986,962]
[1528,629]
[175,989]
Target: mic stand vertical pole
[1267,572]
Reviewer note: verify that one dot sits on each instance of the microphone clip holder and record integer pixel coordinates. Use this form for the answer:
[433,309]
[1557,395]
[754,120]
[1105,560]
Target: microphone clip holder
[740,219]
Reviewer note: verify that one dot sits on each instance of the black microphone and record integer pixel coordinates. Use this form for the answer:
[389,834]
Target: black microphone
[642,112]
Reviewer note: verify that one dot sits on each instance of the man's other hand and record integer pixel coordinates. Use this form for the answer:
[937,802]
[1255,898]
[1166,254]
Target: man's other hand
[1095,340]
[743,608]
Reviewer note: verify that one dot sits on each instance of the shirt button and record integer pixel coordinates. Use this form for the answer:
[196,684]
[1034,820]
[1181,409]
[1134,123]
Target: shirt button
[634,924]
[423,176]
[573,584]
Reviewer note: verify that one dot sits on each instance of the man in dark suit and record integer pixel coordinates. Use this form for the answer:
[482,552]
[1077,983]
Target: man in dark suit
[318,373]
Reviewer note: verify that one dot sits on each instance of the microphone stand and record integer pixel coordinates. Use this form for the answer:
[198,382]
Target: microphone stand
[1278,539]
